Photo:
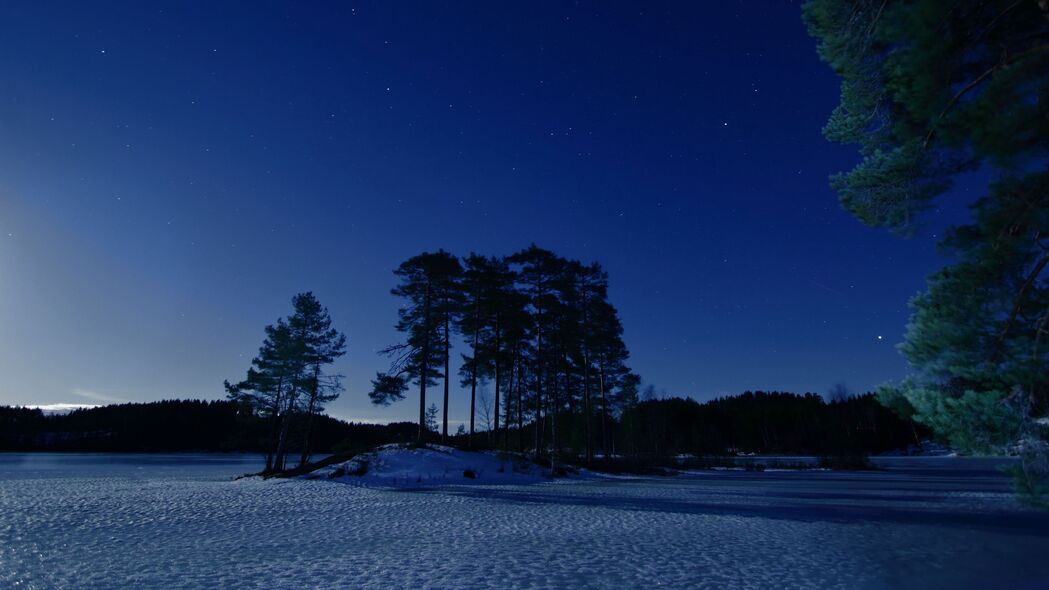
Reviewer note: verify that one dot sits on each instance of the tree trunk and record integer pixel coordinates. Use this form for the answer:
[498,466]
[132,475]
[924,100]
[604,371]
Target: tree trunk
[539,387]
[586,405]
[557,406]
[425,352]
[473,387]
[520,412]
[604,411]
[498,350]
[282,441]
[306,437]
[514,369]
[309,417]
[271,447]
[447,351]
[552,412]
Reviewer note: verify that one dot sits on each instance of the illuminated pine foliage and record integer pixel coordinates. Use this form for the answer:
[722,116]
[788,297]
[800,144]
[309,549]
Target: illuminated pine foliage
[931,89]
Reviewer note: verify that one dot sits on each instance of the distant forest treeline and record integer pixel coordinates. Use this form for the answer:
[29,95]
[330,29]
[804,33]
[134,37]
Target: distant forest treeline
[764,422]
[170,426]
[752,422]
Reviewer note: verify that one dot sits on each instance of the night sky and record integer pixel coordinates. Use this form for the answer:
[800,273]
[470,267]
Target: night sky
[171,175]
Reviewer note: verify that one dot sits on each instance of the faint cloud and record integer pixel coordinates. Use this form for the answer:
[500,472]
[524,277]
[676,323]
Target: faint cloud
[60,408]
[362,420]
[94,395]
[828,289]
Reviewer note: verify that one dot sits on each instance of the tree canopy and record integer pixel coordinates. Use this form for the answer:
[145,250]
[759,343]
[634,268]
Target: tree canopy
[932,89]
[287,381]
[540,329]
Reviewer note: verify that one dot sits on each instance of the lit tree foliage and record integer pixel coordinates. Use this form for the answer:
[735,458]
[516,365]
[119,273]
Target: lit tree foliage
[931,89]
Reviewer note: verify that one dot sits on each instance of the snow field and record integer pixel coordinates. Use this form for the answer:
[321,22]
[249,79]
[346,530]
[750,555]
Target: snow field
[945,527]
[395,465]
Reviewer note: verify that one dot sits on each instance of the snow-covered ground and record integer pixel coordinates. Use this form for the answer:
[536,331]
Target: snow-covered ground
[90,521]
[400,466]
[927,448]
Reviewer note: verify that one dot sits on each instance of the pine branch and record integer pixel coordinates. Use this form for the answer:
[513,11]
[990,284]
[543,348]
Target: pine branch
[1002,64]
[1018,302]
[994,21]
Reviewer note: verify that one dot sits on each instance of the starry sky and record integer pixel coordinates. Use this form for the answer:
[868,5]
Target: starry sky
[172,173]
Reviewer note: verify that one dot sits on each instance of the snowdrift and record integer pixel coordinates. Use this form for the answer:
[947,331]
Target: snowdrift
[401,465]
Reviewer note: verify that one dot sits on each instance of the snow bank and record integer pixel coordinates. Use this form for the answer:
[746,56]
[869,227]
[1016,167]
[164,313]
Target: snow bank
[399,465]
[927,448]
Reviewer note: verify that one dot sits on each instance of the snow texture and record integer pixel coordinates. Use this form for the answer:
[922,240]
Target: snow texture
[97,521]
[399,466]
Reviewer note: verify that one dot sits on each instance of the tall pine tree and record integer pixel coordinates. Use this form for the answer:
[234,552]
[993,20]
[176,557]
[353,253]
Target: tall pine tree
[268,386]
[931,89]
[425,285]
[473,324]
[321,345]
[537,269]
[288,379]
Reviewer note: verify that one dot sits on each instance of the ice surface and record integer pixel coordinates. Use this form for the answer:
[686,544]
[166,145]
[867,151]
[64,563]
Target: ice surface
[104,522]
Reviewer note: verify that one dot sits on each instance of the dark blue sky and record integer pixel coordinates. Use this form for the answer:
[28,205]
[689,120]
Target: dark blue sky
[171,175]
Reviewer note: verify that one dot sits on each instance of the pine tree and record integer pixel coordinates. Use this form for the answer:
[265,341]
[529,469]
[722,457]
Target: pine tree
[490,319]
[591,285]
[506,319]
[447,277]
[321,345]
[931,89]
[475,324]
[537,269]
[430,419]
[287,377]
[511,346]
[610,354]
[566,346]
[267,390]
[427,283]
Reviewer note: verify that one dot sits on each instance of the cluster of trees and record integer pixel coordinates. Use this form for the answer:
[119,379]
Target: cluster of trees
[538,327]
[174,426]
[932,90]
[288,384]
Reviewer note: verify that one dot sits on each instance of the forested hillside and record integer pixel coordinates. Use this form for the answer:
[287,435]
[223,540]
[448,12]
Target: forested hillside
[765,422]
[757,422]
[175,425]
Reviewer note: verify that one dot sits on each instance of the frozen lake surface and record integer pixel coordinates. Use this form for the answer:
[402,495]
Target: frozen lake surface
[174,521]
